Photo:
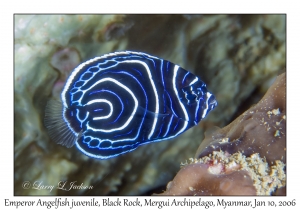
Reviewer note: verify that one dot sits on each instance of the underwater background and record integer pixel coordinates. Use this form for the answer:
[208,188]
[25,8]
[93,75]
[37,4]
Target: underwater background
[237,56]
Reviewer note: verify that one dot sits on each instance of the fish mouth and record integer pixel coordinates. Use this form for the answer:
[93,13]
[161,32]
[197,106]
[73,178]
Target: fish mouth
[213,103]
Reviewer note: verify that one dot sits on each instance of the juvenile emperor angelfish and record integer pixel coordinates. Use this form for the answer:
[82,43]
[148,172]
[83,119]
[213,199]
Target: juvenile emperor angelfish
[112,104]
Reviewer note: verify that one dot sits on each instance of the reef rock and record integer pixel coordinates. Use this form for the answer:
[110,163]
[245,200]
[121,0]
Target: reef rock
[237,56]
[247,157]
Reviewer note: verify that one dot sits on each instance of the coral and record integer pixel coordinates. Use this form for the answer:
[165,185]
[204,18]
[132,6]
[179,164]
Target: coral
[211,176]
[237,56]
[261,129]
[114,30]
[247,157]
[64,60]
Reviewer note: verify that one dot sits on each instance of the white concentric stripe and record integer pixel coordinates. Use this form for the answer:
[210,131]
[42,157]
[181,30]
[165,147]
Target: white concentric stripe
[194,81]
[81,66]
[154,90]
[81,121]
[208,95]
[168,128]
[100,156]
[71,77]
[129,91]
[105,101]
[176,67]
[67,122]
[197,109]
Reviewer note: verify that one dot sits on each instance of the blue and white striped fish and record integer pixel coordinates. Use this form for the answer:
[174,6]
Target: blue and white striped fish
[114,103]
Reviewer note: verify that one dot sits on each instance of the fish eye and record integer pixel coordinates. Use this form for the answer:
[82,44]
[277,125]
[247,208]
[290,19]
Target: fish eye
[190,96]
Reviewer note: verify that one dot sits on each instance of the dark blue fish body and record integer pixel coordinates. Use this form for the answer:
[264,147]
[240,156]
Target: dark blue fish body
[114,103]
